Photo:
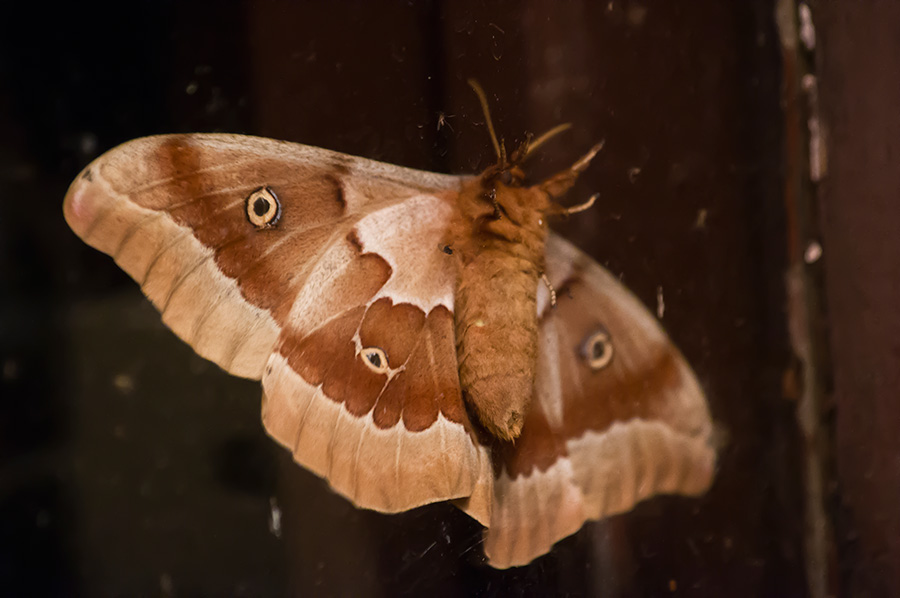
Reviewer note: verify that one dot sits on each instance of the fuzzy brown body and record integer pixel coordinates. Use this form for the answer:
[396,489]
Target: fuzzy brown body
[498,237]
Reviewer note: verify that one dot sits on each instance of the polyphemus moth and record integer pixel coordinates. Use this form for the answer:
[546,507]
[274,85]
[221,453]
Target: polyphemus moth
[420,337]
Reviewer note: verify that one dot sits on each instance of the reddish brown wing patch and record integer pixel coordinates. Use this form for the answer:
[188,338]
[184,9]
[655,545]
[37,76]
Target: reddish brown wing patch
[393,328]
[424,382]
[429,384]
[327,357]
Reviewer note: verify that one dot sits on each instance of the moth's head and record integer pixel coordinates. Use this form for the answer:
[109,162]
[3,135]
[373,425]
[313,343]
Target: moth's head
[505,174]
[509,170]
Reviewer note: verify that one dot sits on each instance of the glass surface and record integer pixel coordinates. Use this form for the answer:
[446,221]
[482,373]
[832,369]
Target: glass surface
[131,466]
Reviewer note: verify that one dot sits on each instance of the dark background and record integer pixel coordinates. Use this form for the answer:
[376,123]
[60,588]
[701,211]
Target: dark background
[130,466]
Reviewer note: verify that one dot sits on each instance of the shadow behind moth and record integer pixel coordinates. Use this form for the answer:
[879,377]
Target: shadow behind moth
[409,328]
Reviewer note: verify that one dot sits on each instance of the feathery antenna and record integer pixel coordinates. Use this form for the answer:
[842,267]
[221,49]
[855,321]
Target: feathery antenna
[546,137]
[501,154]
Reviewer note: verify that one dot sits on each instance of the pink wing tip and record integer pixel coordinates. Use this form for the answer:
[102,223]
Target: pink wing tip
[79,208]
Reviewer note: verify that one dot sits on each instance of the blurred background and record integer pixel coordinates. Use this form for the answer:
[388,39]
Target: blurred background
[748,182]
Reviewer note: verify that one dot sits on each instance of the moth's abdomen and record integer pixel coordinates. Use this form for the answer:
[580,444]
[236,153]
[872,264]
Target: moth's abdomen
[496,338]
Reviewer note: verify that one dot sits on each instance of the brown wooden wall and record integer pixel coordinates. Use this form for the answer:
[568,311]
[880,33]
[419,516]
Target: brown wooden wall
[858,62]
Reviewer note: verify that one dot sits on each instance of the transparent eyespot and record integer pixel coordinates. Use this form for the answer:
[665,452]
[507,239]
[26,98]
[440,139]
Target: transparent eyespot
[375,359]
[263,208]
[598,350]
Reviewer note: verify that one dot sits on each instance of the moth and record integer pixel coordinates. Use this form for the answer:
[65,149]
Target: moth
[419,337]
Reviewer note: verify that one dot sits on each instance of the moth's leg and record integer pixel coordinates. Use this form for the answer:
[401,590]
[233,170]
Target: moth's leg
[530,146]
[556,210]
[498,209]
[550,289]
[561,182]
[582,206]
